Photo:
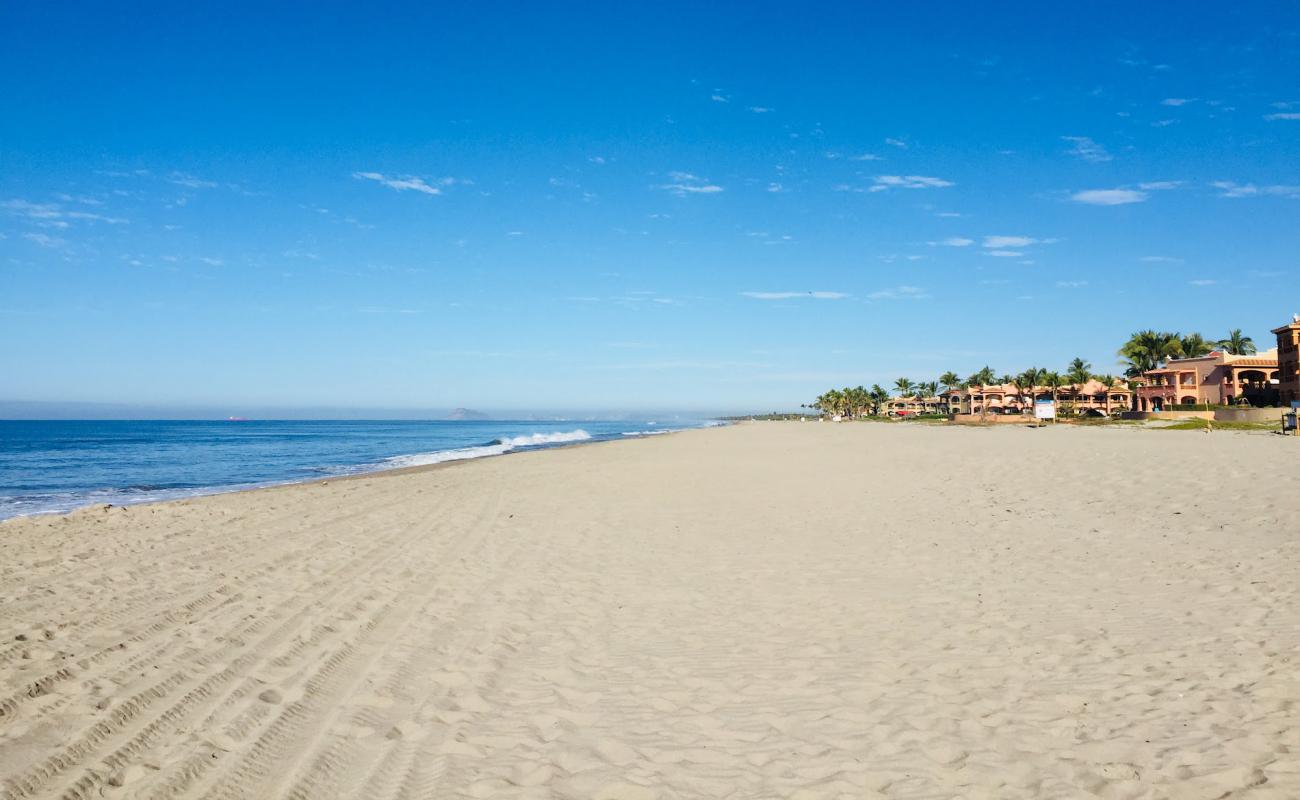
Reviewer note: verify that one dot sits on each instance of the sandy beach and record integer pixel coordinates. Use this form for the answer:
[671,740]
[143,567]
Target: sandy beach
[769,610]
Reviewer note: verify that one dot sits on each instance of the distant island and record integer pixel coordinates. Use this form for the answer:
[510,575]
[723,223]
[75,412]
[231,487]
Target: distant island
[466,413]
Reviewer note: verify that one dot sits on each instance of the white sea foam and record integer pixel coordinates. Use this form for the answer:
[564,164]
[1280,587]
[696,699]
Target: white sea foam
[496,448]
[534,439]
[647,433]
[440,456]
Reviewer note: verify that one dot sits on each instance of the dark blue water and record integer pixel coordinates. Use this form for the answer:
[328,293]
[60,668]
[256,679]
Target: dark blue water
[60,465]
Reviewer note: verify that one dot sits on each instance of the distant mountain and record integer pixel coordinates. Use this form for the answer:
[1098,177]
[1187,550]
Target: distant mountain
[466,413]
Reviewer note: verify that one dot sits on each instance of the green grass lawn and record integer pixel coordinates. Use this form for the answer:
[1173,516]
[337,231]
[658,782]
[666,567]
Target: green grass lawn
[1200,424]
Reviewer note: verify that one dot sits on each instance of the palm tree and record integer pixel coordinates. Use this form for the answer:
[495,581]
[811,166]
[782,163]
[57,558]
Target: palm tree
[1078,374]
[861,400]
[904,387]
[1194,345]
[1053,381]
[879,396]
[950,380]
[985,376]
[1236,344]
[1025,383]
[1147,350]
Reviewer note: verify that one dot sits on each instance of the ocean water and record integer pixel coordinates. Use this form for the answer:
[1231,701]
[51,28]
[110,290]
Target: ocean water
[52,466]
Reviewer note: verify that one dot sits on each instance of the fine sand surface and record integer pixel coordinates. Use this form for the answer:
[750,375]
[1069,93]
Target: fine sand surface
[769,610]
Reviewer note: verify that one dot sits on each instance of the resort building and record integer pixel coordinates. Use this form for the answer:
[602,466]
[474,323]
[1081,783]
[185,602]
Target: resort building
[1288,362]
[908,406]
[1214,379]
[1093,398]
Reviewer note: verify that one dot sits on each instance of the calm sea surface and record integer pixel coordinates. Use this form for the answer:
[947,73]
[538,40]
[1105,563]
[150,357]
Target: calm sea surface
[61,465]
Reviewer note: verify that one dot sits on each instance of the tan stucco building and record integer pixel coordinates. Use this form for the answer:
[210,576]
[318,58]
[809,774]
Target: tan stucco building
[1092,397]
[1288,361]
[1214,379]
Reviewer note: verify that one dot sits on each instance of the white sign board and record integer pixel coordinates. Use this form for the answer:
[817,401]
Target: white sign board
[1044,409]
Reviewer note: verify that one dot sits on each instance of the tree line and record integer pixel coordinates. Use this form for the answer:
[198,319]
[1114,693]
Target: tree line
[1145,350]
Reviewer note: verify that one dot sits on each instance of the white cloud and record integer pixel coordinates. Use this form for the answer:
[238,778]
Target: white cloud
[776,188]
[719,98]
[1161,260]
[1176,101]
[1232,189]
[896,143]
[1160,185]
[1087,149]
[900,293]
[884,182]
[685,183]
[53,215]
[597,160]
[1071,284]
[44,240]
[1291,115]
[1005,253]
[761,109]
[1009,241]
[867,157]
[1203,282]
[794,295]
[212,262]
[953,241]
[189,181]
[401,184]
[1109,197]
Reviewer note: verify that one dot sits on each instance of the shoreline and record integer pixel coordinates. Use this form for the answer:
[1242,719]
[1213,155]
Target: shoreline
[211,491]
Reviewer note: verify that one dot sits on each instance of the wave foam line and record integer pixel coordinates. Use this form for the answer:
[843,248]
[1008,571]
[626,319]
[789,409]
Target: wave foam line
[495,448]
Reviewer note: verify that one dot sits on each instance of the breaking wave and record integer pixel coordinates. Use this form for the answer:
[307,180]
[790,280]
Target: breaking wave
[495,447]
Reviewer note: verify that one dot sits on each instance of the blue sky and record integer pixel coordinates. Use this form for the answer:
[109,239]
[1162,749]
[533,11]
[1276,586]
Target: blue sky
[721,206]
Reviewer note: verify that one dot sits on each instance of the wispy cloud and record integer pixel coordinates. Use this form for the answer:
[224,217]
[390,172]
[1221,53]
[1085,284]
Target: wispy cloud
[1109,197]
[1177,101]
[718,97]
[794,295]
[1004,253]
[53,215]
[761,109]
[886,182]
[190,182]
[1281,115]
[685,183]
[900,293]
[952,241]
[896,143]
[776,188]
[403,183]
[1232,189]
[44,240]
[1001,242]
[1161,260]
[1071,284]
[1086,149]
[1159,185]
[1203,282]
